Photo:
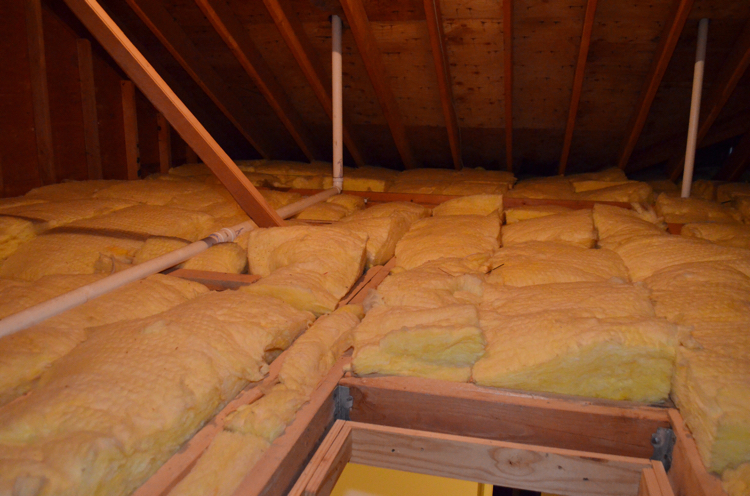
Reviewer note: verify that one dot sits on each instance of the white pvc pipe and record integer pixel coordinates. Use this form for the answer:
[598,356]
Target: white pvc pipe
[695,108]
[297,207]
[336,91]
[38,313]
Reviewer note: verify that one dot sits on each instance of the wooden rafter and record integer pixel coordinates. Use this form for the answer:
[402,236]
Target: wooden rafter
[301,47]
[372,58]
[242,46]
[583,52]
[730,74]
[508,80]
[737,162]
[130,127]
[664,51]
[135,65]
[39,92]
[445,83]
[174,39]
[88,103]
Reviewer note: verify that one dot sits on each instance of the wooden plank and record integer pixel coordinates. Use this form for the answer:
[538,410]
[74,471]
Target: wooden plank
[736,163]
[687,475]
[90,119]
[356,17]
[285,460]
[662,480]
[301,47]
[663,55]
[130,123]
[317,458]
[332,463]
[508,80]
[226,24]
[648,485]
[39,91]
[153,86]
[215,281]
[165,144]
[371,280]
[489,413]
[731,72]
[496,462]
[575,98]
[172,36]
[445,82]
[674,228]
[180,464]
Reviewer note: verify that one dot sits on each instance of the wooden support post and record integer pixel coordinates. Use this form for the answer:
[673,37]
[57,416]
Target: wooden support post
[39,92]
[130,118]
[737,162]
[368,49]
[90,119]
[179,116]
[239,42]
[732,70]
[444,80]
[508,80]
[172,36]
[165,144]
[664,51]
[301,47]
[575,98]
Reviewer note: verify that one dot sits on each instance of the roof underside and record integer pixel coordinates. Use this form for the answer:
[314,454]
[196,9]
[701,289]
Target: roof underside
[546,36]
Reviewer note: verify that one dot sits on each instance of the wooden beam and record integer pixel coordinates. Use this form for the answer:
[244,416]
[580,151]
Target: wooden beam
[445,82]
[233,33]
[135,65]
[508,80]
[174,38]
[39,92]
[130,121]
[522,466]
[688,474]
[90,119]
[575,98]
[731,72]
[737,162]
[302,49]
[356,17]
[165,144]
[664,51]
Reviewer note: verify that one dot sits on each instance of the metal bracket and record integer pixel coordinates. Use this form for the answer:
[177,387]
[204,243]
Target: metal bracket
[663,441]
[342,403]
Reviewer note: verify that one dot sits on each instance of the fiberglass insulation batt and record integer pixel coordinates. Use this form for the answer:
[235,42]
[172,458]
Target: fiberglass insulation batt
[98,422]
[574,228]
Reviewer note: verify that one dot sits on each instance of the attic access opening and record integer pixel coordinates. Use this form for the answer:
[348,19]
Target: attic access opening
[531,467]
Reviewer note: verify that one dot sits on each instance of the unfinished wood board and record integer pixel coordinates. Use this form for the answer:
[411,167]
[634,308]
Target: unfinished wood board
[332,463]
[371,280]
[165,144]
[130,123]
[500,463]
[318,458]
[285,460]
[88,102]
[466,409]
[688,476]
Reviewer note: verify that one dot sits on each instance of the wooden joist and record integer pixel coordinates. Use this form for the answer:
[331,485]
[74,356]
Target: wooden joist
[664,51]
[39,92]
[731,72]
[130,126]
[445,83]
[182,120]
[174,39]
[575,98]
[508,80]
[242,46]
[299,44]
[737,162]
[356,17]
[90,119]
